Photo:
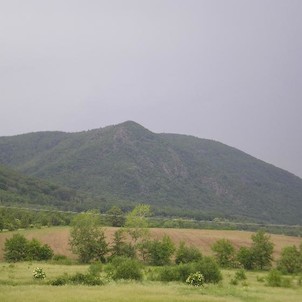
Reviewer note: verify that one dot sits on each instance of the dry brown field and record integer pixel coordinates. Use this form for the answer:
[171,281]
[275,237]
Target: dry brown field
[57,238]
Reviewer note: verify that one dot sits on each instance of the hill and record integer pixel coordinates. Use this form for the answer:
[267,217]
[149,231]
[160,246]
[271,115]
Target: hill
[176,174]
[20,190]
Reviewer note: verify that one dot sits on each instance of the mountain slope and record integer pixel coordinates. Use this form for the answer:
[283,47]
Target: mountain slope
[174,173]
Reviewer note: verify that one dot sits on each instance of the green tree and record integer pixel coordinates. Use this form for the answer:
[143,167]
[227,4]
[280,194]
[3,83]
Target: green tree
[115,217]
[160,251]
[262,249]
[120,247]
[87,237]
[224,252]
[137,223]
[290,261]
[37,251]
[15,248]
[185,254]
[245,257]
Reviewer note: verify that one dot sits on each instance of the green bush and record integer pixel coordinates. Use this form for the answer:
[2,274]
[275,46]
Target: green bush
[185,254]
[77,279]
[240,274]
[209,269]
[18,248]
[15,248]
[61,259]
[124,268]
[274,278]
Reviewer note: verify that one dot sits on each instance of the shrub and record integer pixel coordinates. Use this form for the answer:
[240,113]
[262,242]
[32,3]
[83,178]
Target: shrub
[240,274]
[95,268]
[246,258]
[209,269]
[158,252]
[15,248]
[224,252]
[186,254]
[76,279]
[37,251]
[195,279]
[124,268]
[169,273]
[290,261]
[274,278]
[38,273]
[61,259]
[59,281]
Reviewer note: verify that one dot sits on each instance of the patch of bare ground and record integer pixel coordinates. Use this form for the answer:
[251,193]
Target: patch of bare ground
[58,237]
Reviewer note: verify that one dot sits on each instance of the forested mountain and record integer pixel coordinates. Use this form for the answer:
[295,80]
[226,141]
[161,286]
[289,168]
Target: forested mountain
[177,174]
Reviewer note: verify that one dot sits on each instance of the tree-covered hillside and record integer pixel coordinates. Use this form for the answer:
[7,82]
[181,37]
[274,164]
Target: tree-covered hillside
[177,174]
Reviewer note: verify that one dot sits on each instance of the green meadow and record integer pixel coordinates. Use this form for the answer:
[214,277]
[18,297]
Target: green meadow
[17,283]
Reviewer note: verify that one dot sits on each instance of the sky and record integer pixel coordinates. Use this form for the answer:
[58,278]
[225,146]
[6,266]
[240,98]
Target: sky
[227,70]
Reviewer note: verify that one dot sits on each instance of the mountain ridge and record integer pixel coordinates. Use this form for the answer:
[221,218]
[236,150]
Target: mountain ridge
[127,162]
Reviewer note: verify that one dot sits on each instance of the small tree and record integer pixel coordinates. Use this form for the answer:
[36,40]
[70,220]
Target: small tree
[185,254]
[87,238]
[224,252]
[290,261]
[246,258]
[15,248]
[262,249]
[161,251]
[136,222]
[120,247]
[116,217]
[37,251]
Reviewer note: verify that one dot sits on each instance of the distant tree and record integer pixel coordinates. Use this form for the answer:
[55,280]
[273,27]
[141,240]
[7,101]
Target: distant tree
[185,254]
[15,248]
[1,224]
[116,217]
[37,251]
[120,247]
[262,250]
[290,261]
[245,257]
[161,251]
[87,238]
[224,252]
[137,223]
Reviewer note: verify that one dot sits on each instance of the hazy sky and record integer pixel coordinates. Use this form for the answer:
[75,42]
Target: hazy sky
[228,70]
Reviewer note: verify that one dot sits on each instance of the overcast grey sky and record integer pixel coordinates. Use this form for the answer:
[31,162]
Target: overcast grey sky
[228,70]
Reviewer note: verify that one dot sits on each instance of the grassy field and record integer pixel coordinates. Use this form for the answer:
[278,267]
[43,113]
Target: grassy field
[57,238]
[16,284]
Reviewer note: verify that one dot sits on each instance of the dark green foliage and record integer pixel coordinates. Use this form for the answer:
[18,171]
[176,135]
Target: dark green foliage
[115,217]
[262,249]
[240,275]
[37,251]
[120,247]
[18,248]
[274,278]
[290,261]
[178,272]
[209,269]
[87,237]
[160,251]
[78,279]
[185,254]
[124,268]
[15,248]
[224,252]
[178,174]
[245,257]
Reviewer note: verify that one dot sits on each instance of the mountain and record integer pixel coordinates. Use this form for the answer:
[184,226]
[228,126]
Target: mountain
[176,174]
[20,190]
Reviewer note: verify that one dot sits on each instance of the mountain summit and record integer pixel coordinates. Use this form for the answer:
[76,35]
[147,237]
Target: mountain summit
[175,173]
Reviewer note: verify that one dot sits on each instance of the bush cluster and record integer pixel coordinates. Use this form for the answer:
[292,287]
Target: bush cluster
[18,248]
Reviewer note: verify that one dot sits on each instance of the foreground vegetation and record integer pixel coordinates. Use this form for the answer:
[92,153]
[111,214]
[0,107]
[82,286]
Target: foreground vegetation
[253,288]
